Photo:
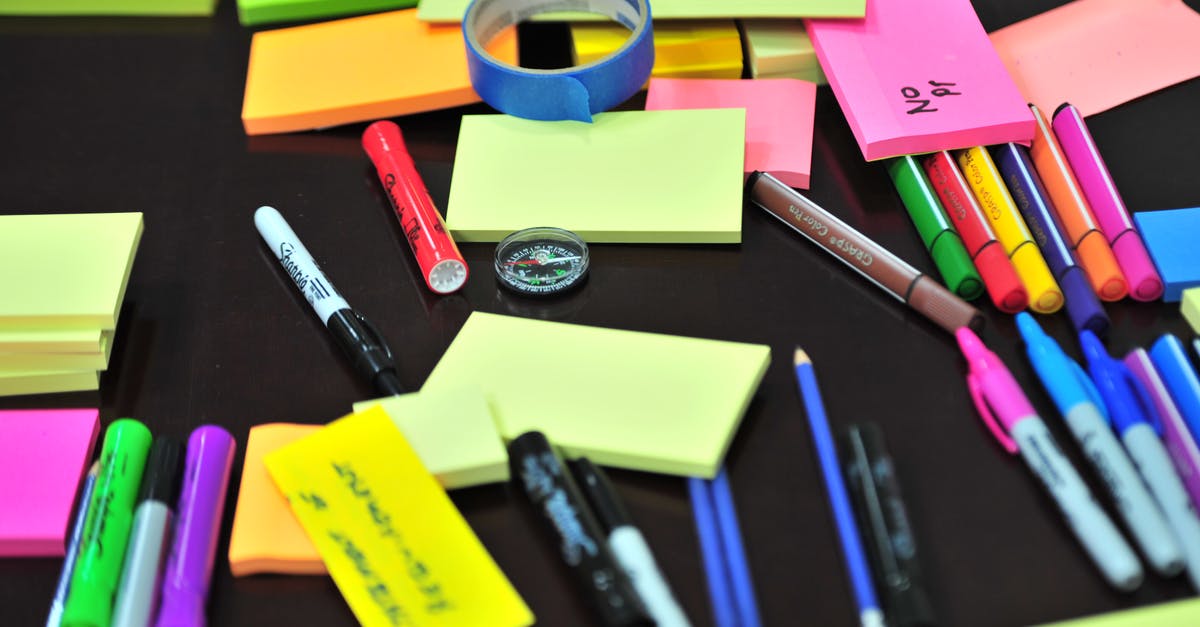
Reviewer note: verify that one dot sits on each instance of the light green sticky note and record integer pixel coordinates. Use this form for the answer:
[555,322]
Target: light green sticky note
[453,10]
[17,361]
[780,49]
[452,432]
[45,382]
[644,401]
[629,176]
[1186,612]
[107,7]
[54,341]
[251,12]
[65,271]
[1190,307]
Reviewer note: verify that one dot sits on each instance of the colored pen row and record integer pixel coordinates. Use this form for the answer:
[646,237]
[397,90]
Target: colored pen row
[145,535]
[1121,414]
[1058,195]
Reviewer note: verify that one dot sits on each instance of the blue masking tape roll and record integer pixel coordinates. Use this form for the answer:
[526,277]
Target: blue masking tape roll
[574,93]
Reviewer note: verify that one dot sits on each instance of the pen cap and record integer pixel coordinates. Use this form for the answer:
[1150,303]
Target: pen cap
[186,578]
[1044,295]
[163,473]
[1096,257]
[1134,259]
[1000,278]
[955,265]
[600,494]
[1083,308]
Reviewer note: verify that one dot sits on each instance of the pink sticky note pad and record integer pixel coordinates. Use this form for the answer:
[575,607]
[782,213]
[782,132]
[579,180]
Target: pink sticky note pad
[43,456]
[779,118]
[919,76]
[1097,54]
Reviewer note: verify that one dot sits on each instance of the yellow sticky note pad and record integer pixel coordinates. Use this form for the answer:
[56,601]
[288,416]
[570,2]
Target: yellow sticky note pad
[630,176]
[16,383]
[1190,307]
[397,548]
[356,69]
[645,401]
[65,271]
[453,433]
[1186,612]
[682,49]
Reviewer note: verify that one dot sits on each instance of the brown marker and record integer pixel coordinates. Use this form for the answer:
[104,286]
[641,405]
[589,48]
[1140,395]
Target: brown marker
[869,259]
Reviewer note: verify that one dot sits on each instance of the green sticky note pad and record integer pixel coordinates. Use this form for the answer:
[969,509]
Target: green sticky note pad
[644,401]
[1186,612]
[108,7]
[251,12]
[629,176]
[65,271]
[452,432]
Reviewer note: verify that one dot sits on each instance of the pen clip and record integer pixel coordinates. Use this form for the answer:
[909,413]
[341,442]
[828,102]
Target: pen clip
[985,412]
[1089,388]
[1142,399]
[375,335]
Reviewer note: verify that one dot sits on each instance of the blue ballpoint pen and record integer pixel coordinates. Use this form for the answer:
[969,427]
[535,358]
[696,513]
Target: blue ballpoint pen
[68,568]
[1134,417]
[1083,409]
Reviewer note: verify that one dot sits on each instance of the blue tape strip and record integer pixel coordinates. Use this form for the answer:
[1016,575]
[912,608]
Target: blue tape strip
[574,93]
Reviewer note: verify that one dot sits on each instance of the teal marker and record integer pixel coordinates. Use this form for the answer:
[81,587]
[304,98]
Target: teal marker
[106,530]
[939,236]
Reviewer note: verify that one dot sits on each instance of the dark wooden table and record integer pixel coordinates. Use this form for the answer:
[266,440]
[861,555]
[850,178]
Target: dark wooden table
[143,115]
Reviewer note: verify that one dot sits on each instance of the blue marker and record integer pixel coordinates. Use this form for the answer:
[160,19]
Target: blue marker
[1172,363]
[1031,198]
[68,567]
[1083,410]
[1134,417]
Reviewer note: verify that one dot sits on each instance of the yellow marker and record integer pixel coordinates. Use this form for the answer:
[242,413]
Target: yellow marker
[988,186]
[395,545]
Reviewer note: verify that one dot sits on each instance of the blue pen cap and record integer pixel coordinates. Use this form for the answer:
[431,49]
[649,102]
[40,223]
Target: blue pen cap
[1062,378]
[1126,398]
[1083,307]
[1173,365]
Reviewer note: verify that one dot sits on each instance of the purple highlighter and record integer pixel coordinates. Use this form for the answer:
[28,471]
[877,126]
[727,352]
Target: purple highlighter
[1175,433]
[198,525]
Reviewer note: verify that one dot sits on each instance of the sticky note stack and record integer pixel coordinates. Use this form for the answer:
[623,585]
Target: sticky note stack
[682,49]
[780,49]
[64,278]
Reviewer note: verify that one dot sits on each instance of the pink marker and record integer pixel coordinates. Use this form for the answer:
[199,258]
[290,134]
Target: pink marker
[1007,413]
[1101,193]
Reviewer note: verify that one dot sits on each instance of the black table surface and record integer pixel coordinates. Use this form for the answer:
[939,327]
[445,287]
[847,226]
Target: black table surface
[144,115]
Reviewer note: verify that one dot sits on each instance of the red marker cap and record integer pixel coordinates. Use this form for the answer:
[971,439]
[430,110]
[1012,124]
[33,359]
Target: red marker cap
[1000,277]
[441,264]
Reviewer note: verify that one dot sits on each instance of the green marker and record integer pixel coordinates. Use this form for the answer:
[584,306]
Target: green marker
[941,240]
[106,530]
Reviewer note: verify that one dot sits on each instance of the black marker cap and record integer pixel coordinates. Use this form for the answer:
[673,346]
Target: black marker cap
[600,494]
[164,472]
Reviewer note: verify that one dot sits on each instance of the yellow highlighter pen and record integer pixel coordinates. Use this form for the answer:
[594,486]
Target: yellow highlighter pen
[985,181]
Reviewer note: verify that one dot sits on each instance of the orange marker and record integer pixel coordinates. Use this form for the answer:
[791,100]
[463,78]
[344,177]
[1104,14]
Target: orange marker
[1080,229]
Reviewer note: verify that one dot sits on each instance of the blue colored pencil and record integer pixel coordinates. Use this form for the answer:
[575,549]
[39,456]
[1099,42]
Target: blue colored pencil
[852,550]
[735,553]
[720,588]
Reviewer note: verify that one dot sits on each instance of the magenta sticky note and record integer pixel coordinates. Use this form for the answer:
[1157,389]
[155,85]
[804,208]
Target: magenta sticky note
[919,76]
[43,456]
[779,118]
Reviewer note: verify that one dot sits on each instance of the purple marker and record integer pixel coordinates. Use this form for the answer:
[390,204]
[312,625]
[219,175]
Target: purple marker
[1175,434]
[198,524]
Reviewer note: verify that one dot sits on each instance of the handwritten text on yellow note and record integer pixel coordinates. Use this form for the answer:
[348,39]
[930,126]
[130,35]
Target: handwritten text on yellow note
[399,551]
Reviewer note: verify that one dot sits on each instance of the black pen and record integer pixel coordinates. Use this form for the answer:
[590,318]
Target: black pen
[628,545]
[358,338]
[543,478]
[887,533]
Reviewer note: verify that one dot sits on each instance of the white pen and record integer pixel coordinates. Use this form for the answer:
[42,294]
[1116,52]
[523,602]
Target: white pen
[1004,407]
[1134,417]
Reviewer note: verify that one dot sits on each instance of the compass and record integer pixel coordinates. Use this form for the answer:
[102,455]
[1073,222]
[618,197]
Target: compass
[541,261]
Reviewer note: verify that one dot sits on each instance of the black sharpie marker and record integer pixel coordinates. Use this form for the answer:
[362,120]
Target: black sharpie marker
[543,478]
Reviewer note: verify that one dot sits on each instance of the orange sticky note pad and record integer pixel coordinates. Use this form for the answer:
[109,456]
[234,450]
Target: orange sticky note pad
[357,69]
[1097,54]
[266,536]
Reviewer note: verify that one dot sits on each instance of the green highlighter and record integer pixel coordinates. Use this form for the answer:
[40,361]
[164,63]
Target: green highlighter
[106,529]
[941,240]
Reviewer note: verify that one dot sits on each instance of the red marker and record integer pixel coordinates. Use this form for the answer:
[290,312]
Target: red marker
[999,276]
[441,264]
